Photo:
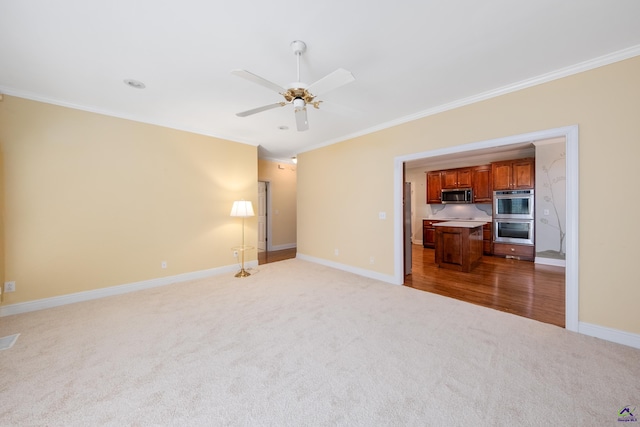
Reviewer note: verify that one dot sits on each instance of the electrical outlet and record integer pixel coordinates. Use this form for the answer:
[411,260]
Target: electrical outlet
[235,254]
[372,260]
[164,264]
[9,286]
[336,252]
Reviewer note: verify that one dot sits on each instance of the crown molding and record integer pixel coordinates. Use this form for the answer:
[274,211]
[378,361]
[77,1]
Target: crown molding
[591,64]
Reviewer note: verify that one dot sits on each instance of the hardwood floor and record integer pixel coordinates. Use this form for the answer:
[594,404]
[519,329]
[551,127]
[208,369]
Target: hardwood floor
[265,257]
[519,287]
[523,288]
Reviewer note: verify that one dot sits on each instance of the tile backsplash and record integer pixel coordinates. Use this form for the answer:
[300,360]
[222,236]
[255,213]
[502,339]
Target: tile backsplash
[473,210]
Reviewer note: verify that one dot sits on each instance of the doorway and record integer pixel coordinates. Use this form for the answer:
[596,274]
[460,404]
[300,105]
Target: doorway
[570,135]
[263,227]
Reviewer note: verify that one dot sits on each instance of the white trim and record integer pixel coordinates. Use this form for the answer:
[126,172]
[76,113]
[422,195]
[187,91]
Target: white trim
[267,190]
[133,117]
[281,247]
[348,268]
[591,64]
[41,304]
[550,261]
[572,282]
[610,334]
[570,133]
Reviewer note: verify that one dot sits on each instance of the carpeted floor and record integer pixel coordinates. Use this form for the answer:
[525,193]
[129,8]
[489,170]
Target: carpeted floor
[299,344]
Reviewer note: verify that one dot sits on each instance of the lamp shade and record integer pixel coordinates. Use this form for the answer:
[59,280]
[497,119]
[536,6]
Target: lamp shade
[242,208]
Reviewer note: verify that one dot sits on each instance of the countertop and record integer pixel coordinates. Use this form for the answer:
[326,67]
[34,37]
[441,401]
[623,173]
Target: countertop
[482,219]
[461,224]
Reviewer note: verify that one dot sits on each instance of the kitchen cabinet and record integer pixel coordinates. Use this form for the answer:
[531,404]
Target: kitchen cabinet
[429,233]
[510,250]
[434,187]
[458,245]
[482,184]
[456,178]
[487,239]
[516,174]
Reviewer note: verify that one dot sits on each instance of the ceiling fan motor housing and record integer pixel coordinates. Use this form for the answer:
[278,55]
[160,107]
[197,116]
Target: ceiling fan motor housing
[297,92]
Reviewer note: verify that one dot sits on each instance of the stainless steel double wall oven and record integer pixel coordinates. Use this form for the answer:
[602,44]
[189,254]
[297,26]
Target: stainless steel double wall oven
[513,216]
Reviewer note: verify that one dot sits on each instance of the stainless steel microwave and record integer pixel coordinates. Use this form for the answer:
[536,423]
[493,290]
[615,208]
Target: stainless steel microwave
[459,195]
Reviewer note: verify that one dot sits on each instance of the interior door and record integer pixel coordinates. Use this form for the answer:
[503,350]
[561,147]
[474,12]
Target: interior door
[262,216]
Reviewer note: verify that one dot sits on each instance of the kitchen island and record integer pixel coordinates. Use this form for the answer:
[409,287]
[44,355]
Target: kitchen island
[458,244]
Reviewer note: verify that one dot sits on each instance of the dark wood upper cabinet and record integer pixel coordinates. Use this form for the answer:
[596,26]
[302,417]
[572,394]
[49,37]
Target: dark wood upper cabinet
[482,184]
[434,187]
[524,173]
[478,178]
[456,178]
[514,174]
[464,178]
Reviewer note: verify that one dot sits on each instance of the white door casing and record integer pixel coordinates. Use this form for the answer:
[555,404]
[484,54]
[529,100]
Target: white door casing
[262,215]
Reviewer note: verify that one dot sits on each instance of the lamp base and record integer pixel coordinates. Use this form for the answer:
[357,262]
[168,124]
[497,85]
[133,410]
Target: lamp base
[242,273]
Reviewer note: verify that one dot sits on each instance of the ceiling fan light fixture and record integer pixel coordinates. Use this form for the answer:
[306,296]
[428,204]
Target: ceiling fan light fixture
[299,93]
[298,103]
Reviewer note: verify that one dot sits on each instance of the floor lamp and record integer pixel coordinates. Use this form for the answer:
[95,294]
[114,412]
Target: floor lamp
[242,209]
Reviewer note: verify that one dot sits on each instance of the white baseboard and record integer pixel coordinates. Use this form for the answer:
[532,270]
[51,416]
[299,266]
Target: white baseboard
[282,247]
[41,304]
[359,271]
[551,261]
[609,334]
[602,332]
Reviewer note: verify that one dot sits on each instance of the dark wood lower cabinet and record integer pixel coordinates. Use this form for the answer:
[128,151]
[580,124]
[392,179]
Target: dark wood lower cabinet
[487,239]
[521,252]
[458,248]
[429,233]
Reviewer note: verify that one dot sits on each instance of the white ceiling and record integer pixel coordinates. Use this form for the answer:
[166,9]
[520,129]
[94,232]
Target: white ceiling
[409,58]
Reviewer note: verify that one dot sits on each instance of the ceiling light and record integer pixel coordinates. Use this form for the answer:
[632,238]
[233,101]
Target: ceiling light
[134,84]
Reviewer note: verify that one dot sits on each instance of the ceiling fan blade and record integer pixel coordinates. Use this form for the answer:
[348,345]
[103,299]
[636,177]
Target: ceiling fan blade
[331,81]
[259,80]
[302,123]
[261,109]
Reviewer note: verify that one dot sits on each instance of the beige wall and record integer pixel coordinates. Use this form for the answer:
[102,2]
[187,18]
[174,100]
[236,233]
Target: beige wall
[282,186]
[340,209]
[1,225]
[93,201]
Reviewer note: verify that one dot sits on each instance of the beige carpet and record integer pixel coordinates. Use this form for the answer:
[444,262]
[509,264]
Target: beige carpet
[299,344]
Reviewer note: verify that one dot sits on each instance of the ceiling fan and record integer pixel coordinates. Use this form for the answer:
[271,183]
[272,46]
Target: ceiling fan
[299,94]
